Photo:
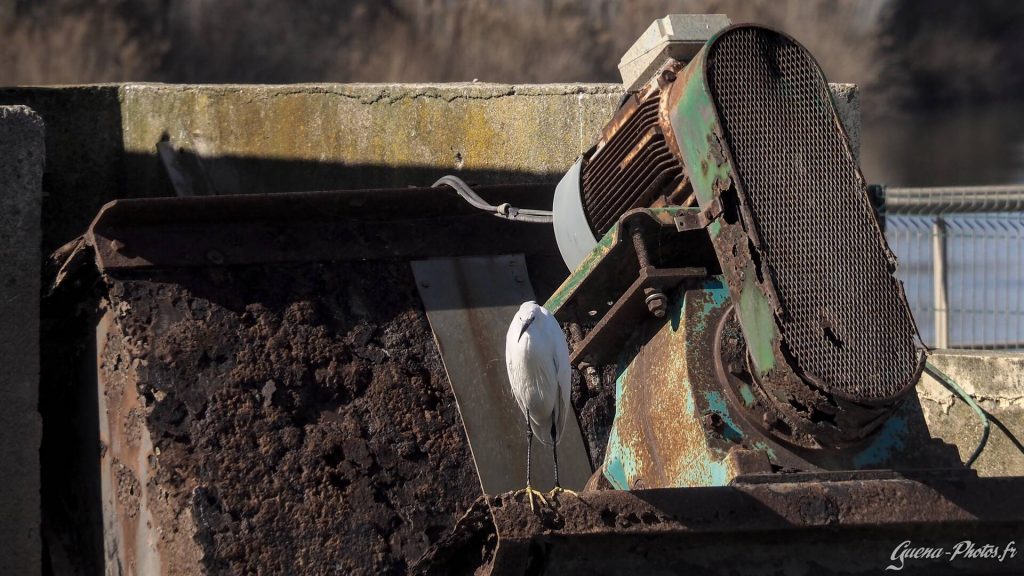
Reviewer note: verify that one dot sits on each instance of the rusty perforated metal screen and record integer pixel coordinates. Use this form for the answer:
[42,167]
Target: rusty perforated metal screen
[844,316]
[632,169]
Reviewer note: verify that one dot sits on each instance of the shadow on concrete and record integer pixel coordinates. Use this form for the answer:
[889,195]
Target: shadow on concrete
[1009,435]
[84,154]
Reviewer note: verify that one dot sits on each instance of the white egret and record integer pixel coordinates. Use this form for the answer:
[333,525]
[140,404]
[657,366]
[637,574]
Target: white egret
[537,358]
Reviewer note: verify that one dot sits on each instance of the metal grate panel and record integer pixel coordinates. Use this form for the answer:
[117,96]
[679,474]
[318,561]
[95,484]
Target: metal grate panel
[844,317]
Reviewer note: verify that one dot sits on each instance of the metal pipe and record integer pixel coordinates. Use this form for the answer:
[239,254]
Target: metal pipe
[953,199]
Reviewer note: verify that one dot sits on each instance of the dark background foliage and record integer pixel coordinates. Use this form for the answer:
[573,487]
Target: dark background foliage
[902,52]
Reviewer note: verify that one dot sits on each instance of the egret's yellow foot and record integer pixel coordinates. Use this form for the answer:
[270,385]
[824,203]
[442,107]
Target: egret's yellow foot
[530,492]
[558,490]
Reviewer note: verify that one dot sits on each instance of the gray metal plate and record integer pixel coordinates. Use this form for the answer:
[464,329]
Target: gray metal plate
[469,303]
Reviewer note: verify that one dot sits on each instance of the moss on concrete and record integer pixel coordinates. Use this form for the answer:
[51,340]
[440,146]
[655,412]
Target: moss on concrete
[273,138]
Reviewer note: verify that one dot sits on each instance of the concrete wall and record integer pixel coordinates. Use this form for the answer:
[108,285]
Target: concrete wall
[996,382]
[21,170]
[250,139]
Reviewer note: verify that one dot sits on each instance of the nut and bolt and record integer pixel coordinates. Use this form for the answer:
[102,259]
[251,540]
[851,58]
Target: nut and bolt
[657,303]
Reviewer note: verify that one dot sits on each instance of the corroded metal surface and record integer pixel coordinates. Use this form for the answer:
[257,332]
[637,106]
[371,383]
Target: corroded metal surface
[607,292]
[632,165]
[659,438]
[843,314]
[391,224]
[822,524]
[685,415]
[808,406]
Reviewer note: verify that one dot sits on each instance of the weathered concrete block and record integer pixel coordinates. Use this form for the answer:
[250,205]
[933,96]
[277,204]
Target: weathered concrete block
[676,36]
[22,154]
[996,382]
[345,136]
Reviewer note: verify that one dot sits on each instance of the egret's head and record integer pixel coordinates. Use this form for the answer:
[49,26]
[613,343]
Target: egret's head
[527,313]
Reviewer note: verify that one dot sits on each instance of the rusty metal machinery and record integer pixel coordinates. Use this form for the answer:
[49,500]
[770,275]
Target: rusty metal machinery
[633,165]
[727,200]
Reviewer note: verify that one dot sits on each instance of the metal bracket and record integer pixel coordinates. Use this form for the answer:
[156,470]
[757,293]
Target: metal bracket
[604,342]
[687,221]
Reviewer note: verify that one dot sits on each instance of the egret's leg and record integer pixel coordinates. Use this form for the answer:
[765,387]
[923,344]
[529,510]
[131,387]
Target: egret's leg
[529,449]
[530,492]
[557,487]
[555,450]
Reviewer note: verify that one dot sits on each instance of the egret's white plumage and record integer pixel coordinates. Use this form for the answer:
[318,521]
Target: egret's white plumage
[537,358]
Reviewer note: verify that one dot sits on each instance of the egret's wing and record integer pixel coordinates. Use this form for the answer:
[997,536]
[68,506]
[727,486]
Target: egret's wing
[515,365]
[517,377]
[543,393]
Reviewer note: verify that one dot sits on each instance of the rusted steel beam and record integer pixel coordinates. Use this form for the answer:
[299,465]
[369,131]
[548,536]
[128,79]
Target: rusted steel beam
[390,224]
[826,523]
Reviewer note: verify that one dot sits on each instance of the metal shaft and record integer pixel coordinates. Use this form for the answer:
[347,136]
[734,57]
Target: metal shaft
[655,299]
[640,247]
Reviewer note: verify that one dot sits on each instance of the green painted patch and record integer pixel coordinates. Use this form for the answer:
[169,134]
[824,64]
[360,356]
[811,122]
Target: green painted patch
[755,314]
[572,283]
[747,395]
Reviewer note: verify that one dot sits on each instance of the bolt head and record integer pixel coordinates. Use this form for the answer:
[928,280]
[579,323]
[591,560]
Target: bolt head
[657,304]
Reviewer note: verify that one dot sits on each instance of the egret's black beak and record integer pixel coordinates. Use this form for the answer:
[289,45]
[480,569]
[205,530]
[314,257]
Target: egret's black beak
[525,326]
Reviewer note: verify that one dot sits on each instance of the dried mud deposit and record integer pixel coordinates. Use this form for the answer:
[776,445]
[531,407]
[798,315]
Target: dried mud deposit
[300,416]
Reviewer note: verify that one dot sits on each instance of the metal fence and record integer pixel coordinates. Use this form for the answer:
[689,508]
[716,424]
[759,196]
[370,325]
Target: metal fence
[961,259]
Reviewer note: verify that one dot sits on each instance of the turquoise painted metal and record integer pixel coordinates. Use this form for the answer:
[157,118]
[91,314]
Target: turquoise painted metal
[678,425]
[659,438]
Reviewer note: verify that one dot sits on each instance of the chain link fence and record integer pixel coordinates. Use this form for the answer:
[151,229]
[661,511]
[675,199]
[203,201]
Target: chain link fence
[961,259]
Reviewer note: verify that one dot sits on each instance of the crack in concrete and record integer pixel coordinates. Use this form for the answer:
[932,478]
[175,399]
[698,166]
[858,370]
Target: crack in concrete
[370,94]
